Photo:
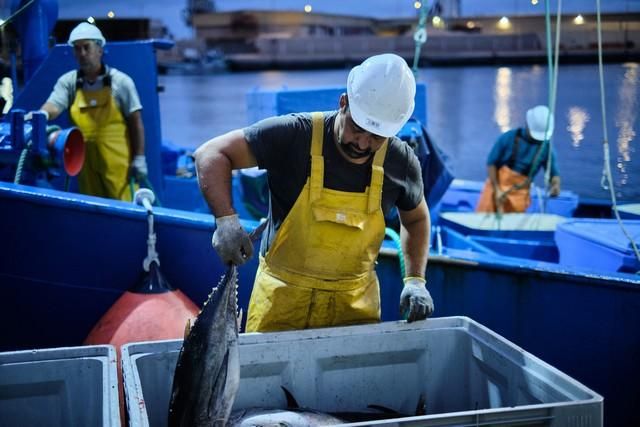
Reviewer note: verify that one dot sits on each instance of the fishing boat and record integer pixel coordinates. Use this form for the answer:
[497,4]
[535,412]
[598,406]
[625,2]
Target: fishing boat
[69,257]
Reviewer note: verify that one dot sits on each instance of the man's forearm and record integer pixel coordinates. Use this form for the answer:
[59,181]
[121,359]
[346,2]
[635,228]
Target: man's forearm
[214,178]
[492,173]
[136,133]
[415,233]
[51,110]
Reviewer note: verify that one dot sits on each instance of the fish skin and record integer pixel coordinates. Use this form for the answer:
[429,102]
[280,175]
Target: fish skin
[207,375]
[255,417]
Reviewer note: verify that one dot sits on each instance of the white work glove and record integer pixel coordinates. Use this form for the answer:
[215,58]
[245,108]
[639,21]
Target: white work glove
[139,166]
[29,115]
[415,299]
[230,241]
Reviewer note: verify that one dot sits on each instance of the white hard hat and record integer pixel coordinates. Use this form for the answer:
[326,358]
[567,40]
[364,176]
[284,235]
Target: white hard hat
[537,123]
[86,31]
[381,94]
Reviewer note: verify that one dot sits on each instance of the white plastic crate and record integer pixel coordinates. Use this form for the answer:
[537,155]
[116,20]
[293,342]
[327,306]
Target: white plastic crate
[466,373]
[69,386]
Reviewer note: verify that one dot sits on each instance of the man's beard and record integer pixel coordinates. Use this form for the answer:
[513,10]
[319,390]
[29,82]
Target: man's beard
[351,150]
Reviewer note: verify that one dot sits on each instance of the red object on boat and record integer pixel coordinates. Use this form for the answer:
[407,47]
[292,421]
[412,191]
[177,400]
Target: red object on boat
[151,310]
[144,317]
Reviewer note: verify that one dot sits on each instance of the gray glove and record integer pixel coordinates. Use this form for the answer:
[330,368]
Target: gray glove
[139,167]
[230,241]
[29,115]
[415,299]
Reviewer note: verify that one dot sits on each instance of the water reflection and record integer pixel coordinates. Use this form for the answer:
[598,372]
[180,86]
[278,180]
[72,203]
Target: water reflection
[468,108]
[626,116]
[578,118]
[502,97]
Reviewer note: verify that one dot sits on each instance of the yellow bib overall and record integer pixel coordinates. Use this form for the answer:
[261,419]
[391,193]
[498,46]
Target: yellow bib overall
[319,270]
[106,166]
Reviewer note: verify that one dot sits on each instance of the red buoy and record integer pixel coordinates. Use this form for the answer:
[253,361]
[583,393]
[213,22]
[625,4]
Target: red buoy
[151,310]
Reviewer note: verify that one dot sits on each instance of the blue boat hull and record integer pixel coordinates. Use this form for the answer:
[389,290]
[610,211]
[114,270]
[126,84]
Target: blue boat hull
[69,257]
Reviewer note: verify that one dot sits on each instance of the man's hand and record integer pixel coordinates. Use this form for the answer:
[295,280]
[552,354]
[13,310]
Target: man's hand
[415,299]
[29,115]
[498,198]
[230,241]
[139,167]
[554,191]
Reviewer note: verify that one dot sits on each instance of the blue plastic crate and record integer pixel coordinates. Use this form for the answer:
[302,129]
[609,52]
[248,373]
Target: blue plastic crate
[598,244]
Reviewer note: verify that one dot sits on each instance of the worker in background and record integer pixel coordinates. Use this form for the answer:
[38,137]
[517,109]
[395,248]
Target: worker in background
[332,177]
[104,104]
[514,160]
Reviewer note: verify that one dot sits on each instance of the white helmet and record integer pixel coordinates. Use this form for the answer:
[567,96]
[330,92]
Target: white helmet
[537,123]
[86,31]
[381,94]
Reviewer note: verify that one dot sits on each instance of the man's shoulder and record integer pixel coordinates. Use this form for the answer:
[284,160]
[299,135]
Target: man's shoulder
[69,76]
[399,148]
[119,76]
[512,133]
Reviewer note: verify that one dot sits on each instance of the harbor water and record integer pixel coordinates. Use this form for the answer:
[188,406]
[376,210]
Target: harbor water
[468,108]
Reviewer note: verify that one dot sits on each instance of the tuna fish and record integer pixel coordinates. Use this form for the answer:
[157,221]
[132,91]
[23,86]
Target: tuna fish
[207,374]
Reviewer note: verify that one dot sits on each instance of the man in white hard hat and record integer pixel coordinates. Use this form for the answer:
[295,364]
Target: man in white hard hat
[332,177]
[104,103]
[514,160]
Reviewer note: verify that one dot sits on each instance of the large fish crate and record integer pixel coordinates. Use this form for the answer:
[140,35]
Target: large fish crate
[464,373]
[70,386]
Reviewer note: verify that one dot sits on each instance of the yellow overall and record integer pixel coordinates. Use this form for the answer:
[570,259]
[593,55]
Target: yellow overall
[319,270]
[106,166]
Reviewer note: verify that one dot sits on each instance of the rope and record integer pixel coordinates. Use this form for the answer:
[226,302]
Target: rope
[420,37]
[391,233]
[16,13]
[553,93]
[606,170]
[553,87]
[21,160]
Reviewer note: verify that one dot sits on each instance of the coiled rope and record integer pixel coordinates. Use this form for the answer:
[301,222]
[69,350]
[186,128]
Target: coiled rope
[607,180]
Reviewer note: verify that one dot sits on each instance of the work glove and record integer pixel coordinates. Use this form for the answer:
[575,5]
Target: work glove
[29,115]
[139,167]
[230,241]
[415,300]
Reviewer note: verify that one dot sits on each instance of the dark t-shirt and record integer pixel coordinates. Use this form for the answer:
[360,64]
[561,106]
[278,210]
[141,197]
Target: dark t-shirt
[282,146]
